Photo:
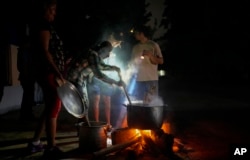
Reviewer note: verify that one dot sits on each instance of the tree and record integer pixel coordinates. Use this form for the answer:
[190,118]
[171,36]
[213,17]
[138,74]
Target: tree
[166,20]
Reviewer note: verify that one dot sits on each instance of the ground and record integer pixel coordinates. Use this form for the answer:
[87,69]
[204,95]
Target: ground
[206,120]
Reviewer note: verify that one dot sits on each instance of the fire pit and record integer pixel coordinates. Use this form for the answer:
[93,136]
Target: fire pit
[139,143]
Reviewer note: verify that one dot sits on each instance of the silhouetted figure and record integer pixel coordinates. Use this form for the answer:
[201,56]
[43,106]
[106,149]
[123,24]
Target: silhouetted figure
[26,78]
[88,73]
[49,61]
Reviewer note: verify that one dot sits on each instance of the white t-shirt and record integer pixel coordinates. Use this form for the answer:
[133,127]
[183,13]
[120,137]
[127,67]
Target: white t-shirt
[146,71]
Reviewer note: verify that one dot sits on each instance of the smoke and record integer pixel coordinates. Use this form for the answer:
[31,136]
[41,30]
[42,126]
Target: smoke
[127,70]
[129,73]
[156,101]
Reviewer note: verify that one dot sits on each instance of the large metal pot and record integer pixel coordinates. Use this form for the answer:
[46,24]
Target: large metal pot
[145,117]
[92,137]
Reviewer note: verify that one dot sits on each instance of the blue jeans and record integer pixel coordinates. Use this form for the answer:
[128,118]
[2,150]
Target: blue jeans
[144,88]
[98,87]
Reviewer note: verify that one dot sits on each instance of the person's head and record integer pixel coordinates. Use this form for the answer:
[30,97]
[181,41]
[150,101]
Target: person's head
[142,32]
[47,9]
[104,49]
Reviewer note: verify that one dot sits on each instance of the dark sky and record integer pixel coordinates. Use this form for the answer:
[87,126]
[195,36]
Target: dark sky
[210,37]
[207,37]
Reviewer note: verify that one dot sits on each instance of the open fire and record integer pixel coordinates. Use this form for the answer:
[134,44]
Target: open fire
[139,143]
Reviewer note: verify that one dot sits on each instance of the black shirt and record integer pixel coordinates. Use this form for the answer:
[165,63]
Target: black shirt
[41,65]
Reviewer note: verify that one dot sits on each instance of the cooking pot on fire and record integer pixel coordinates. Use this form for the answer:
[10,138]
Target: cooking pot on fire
[143,116]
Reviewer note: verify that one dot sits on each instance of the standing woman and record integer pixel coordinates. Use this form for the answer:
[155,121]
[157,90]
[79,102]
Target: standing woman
[48,58]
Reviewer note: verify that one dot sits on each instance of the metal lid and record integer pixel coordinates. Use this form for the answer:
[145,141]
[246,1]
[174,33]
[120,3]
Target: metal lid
[71,99]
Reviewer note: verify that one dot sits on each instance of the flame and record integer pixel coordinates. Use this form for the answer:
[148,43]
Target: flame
[175,148]
[166,127]
[137,132]
[143,132]
[146,132]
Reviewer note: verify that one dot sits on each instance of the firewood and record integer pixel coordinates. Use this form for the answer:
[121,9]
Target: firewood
[122,135]
[165,143]
[116,147]
[151,146]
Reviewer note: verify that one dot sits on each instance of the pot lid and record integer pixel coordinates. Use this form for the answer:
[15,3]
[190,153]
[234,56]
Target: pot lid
[71,99]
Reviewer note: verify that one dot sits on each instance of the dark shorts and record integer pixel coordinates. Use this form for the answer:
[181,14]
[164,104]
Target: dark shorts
[51,98]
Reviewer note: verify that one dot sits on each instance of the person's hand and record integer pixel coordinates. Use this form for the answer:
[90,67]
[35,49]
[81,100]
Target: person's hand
[68,60]
[117,69]
[60,76]
[59,79]
[147,53]
[121,83]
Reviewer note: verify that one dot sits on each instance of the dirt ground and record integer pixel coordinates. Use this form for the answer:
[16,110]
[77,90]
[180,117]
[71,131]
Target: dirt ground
[207,121]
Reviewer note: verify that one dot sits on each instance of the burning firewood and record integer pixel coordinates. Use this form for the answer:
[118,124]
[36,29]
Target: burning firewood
[150,146]
[164,141]
[136,144]
[116,147]
[123,135]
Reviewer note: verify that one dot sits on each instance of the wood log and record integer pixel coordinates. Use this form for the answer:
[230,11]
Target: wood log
[165,143]
[150,146]
[122,135]
[116,147]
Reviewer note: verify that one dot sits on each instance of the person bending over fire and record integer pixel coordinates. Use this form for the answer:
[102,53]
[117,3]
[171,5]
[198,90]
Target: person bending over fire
[87,75]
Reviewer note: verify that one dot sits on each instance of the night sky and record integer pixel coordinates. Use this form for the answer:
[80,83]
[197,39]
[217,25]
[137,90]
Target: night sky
[207,40]
[210,40]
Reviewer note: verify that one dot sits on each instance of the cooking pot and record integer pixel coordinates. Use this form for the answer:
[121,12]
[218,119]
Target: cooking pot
[144,117]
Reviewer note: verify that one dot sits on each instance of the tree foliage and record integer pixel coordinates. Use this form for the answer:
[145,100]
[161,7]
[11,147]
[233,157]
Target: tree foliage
[166,20]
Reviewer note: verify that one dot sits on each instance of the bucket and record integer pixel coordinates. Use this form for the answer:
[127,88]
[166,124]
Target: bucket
[92,138]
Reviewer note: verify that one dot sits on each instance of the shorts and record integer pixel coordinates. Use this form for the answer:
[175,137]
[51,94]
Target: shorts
[51,98]
[98,87]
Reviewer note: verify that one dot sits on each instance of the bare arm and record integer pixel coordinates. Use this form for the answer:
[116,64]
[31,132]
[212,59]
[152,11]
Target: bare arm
[155,58]
[106,67]
[99,64]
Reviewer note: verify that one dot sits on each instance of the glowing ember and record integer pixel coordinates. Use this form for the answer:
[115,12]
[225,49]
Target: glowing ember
[143,132]
[137,131]
[148,142]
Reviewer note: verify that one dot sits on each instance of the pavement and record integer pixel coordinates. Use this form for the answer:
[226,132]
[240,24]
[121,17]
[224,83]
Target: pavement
[206,120]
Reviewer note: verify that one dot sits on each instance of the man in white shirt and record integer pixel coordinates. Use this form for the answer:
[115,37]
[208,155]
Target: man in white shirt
[146,55]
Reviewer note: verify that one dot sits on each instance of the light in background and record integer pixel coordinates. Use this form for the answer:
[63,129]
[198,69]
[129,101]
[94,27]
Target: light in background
[162,73]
